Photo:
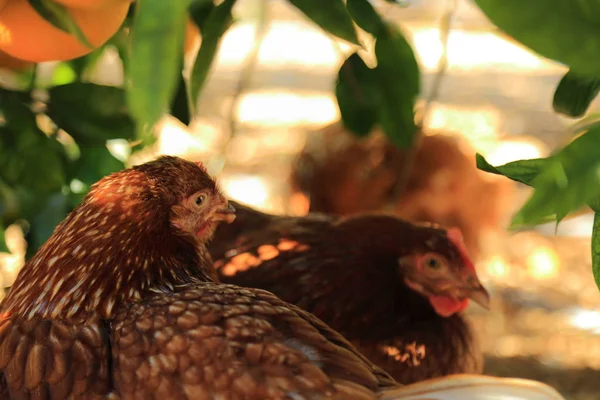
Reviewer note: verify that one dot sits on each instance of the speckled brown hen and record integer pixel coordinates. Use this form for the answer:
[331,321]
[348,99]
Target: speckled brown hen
[394,289]
[121,302]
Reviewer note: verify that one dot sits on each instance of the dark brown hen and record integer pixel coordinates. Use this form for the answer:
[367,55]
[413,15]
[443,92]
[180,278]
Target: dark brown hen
[121,302]
[394,289]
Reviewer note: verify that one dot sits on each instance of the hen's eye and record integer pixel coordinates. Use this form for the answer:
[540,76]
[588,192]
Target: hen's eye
[200,200]
[433,262]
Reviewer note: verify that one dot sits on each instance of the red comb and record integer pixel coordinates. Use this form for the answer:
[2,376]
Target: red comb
[456,237]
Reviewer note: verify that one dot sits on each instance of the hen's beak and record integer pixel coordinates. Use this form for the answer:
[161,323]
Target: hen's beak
[467,287]
[474,290]
[480,296]
[225,214]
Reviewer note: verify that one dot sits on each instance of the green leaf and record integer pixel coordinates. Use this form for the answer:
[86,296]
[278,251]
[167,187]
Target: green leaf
[63,74]
[523,171]
[569,180]
[575,93]
[398,81]
[157,37]
[357,96]
[90,113]
[32,167]
[563,30]
[595,205]
[38,167]
[366,17]
[596,248]
[58,15]
[215,25]
[330,15]
[179,107]
[121,42]
[29,157]
[31,163]
[9,203]
[585,123]
[14,108]
[199,11]
[3,246]
[95,163]
[42,224]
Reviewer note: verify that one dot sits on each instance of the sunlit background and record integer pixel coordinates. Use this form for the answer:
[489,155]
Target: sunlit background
[545,321]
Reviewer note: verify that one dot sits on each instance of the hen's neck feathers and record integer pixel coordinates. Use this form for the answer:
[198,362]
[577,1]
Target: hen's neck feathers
[114,247]
[371,247]
[385,232]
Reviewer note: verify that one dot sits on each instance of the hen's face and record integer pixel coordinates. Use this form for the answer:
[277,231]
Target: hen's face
[198,215]
[442,271]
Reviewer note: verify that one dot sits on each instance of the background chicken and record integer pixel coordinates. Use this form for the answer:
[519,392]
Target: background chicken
[121,300]
[340,174]
[392,288]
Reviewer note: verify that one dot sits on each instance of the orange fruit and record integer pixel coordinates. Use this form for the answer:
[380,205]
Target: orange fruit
[9,62]
[26,35]
[192,33]
[3,3]
[88,4]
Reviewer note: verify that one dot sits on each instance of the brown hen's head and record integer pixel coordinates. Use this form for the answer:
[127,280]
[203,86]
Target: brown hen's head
[443,272]
[138,229]
[433,262]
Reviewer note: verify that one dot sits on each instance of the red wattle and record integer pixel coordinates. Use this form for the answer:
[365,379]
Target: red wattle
[447,306]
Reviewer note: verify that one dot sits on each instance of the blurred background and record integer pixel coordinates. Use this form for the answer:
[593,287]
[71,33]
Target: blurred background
[268,128]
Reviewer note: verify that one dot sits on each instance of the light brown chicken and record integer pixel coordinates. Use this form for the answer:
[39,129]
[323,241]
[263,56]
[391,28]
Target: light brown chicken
[337,173]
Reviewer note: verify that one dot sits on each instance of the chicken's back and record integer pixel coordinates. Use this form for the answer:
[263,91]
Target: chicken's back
[221,340]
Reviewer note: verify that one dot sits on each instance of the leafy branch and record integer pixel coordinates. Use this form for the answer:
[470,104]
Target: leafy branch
[569,179]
